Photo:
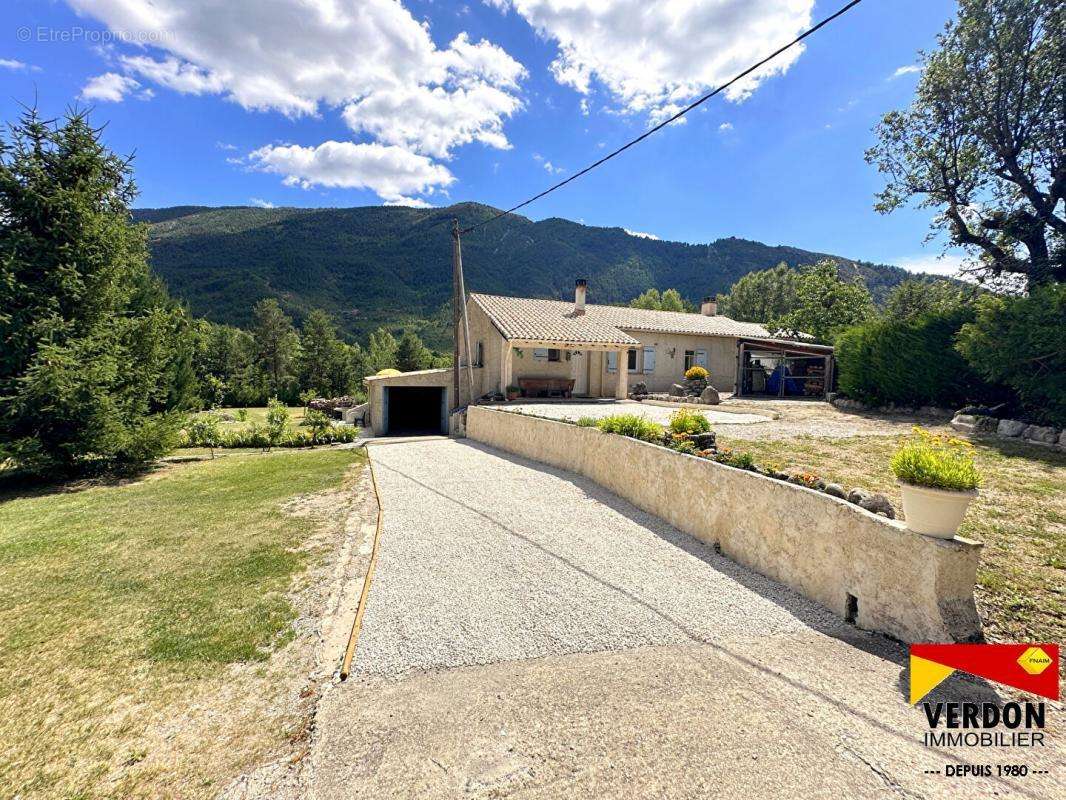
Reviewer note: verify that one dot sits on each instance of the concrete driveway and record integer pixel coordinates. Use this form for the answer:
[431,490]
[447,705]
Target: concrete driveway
[530,635]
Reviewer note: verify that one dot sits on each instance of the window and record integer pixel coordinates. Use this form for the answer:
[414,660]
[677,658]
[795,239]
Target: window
[479,354]
[553,355]
[540,353]
[612,361]
[649,359]
[631,360]
[695,358]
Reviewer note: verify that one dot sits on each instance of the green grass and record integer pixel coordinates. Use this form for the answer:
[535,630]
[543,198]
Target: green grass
[123,606]
[257,415]
[1020,515]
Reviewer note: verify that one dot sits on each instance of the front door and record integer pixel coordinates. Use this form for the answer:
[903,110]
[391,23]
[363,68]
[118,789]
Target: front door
[579,363]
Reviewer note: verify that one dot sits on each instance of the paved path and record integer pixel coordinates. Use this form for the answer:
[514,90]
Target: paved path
[530,635]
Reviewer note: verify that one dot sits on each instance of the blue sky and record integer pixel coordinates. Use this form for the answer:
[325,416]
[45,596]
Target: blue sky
[359,102]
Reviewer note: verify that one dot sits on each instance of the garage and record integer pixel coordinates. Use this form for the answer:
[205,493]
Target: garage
[415,410]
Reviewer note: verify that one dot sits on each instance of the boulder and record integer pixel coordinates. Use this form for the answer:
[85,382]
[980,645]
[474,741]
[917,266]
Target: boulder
[677,390]
[710,396]
[858,496]
[878,504]
[964,422]
[1010,427]
[639,388]
[1041,434]
[835,490]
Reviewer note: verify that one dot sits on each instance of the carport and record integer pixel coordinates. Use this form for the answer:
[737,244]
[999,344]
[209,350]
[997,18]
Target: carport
[783,368]
[409,403]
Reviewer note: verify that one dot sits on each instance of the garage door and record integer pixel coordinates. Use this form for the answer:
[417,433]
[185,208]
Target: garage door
[415,410]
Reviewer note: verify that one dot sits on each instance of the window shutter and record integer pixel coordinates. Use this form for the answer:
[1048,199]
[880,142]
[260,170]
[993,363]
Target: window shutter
[612,361]
[701,358]
[540,353]
[649,359]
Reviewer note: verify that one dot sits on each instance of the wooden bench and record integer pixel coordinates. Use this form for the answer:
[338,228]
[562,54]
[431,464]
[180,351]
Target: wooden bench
[546,387]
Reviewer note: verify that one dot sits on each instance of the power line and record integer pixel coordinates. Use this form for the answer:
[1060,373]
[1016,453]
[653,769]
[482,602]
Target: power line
[840,12]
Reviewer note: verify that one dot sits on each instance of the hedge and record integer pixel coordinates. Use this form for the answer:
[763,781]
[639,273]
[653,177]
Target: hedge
[910,362]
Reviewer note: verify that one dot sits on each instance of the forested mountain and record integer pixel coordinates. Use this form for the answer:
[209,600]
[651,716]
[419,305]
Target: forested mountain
[392,265]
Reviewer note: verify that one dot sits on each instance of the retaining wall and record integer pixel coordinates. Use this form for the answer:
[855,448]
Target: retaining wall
[913,587]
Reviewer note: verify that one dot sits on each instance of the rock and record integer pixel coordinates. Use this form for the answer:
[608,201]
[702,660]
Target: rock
[986,424]
[835,490]
[710,396]
[1062,439]
[1010,427]
[964,422]
[640,387]
[677,390]
[878,504]
[858,496]
[1041,434]
[704,441]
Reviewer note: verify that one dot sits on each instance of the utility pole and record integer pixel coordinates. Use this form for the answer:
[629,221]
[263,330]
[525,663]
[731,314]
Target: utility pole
[459,314]
[455,313]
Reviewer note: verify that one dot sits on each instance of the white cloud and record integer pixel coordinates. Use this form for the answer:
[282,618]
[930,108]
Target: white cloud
[656,55]
[259,202]
[392,172]
[225,146]
[18,66]
[549,166]
[371,59]
[907,70]
[725,127]
[109,88]
[641,234]
[948,264]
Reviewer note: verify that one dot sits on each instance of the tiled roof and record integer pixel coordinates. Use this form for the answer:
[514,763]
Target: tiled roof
[554,320]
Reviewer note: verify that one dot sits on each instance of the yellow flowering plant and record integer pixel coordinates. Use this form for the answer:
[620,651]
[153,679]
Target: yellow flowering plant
[936,461]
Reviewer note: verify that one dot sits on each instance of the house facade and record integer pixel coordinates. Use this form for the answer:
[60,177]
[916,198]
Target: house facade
[556,347]
[602,349]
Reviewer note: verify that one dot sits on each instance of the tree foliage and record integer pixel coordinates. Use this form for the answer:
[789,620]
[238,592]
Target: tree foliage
[914,298]
[764,296]
[1021,341]
[826,304]
[324,364]
[984,141]
[669,300]
[277,346]
[91,347]
[411,354]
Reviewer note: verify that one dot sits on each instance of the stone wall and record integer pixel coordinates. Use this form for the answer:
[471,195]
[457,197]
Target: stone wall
[913,587]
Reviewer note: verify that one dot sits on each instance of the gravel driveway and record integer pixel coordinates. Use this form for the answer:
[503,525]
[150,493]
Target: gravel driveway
[530,635]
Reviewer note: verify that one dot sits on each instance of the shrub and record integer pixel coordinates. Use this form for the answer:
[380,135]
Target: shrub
[696,373]
[204,430]
[242,414]
[684,446]
[685,420]
[1021,342]
[318,422]
[910,362]
[939,462]
[277,421]
[733,459]
[633,426]
[587,422]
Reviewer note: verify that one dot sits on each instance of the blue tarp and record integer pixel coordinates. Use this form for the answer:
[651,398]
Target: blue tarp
[792,385]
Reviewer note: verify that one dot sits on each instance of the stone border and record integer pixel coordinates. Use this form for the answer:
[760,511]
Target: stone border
[1045,436]
[859,565]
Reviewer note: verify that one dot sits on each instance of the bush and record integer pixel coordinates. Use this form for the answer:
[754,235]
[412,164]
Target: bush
[587,422]
[631,425]
[257,436]
[686,420]
[204,430]
[277,421]
[696,373]
[939,462]
[1021,342]
[910,362]
[318,422]
[733,459]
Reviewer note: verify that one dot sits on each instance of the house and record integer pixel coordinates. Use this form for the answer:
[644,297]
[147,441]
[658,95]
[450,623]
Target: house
[554,346]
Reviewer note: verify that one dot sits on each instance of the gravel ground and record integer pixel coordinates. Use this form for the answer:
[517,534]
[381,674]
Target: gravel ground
[487,557]
[794,418]
[660,414]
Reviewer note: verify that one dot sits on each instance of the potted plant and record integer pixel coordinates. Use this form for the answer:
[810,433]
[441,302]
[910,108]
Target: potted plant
[939,479]
[514,392]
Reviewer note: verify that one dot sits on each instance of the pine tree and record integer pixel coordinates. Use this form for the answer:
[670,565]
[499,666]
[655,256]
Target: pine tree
[277,346]
[411,354]
[324,363]
[89,341]
[381,351]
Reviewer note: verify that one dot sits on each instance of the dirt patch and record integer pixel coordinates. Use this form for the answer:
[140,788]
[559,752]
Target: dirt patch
[793,418]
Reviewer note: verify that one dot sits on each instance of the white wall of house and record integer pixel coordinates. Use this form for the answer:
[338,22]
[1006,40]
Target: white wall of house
[660,360]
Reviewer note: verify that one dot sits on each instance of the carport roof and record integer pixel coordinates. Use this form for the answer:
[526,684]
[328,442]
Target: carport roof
[555,320]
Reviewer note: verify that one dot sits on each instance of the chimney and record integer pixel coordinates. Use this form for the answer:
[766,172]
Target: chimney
[709,308]
[579,295]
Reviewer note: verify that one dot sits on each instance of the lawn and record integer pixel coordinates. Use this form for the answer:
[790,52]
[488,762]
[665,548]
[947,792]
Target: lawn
[1020,516]
[144,626]
[257,415]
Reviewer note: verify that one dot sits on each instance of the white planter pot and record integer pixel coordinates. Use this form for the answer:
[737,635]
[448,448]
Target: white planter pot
[934,512]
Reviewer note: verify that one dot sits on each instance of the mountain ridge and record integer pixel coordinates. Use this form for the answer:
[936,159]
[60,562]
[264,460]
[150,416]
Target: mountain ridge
[391,265]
